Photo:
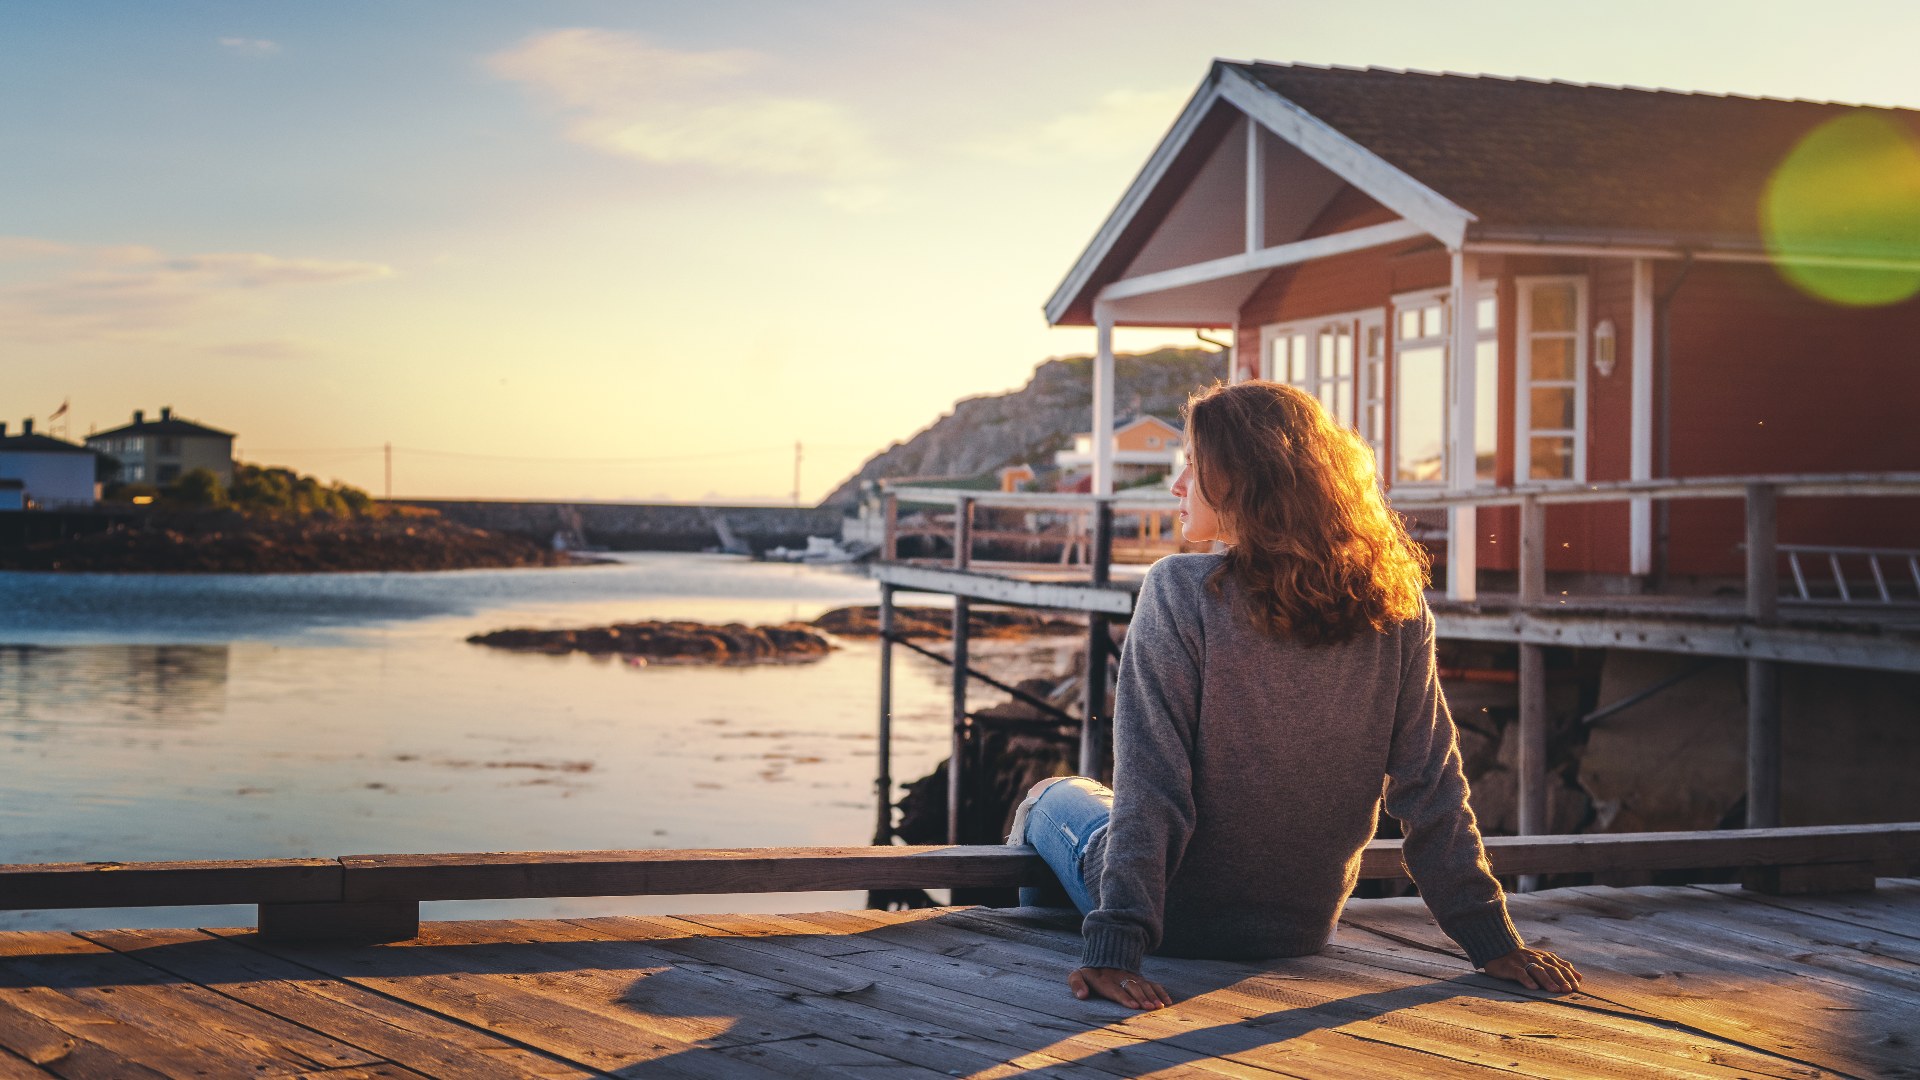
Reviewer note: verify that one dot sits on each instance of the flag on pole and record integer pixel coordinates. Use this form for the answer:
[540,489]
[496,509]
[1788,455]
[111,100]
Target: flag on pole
[61,411]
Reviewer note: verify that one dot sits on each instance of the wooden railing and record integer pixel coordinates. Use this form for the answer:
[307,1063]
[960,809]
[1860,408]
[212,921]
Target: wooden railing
[1085,525]
[377,897]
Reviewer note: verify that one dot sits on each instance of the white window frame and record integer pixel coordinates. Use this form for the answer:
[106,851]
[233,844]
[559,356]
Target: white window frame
[1319,374]
[1523,431]
[1441,297]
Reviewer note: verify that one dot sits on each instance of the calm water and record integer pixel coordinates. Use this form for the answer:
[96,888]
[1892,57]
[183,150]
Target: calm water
[166,717]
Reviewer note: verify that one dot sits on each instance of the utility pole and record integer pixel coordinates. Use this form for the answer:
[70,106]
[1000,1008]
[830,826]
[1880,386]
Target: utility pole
[389,449]
[796,474]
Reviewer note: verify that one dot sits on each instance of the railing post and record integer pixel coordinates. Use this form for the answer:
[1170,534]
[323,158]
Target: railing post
[883,781]
[1533,552]
[889,526]
[1094,749]
[962,625]
[1763,676]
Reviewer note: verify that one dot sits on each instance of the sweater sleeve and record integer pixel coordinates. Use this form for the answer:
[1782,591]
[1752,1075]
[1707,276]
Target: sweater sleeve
[1156,708]
[1427,792]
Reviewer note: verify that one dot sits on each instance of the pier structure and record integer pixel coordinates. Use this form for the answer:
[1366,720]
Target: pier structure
[1811,968]
[1864,615]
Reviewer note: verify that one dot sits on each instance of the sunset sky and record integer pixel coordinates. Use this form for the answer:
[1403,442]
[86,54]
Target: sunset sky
[599,249]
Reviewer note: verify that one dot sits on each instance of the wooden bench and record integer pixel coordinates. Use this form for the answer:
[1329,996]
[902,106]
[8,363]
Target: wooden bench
[377,897]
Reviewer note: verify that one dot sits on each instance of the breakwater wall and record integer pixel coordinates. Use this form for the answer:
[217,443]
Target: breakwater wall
[644,526]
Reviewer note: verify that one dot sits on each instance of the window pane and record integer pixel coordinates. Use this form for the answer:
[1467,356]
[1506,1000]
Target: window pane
[1297,359]
[1486,408]
[1552,407]
[1430,321]
[1327,399]
[1552,359]
[1551,457]
[1553,307]
[1375,338]
[1376,423]
[1343,402]
[1409,324]
[1343,356]
[1420,443]
[1485,316]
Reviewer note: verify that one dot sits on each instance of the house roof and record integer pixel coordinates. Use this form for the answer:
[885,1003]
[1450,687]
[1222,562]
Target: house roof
[173,426]
[39,444]
[1464,158]
[1530,158]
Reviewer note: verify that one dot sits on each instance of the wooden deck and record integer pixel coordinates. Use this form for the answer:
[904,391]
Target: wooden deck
[1681,981]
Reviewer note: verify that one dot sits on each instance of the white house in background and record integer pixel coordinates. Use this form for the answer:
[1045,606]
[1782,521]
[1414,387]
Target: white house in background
[38,471]
[159,451]
[1142,446]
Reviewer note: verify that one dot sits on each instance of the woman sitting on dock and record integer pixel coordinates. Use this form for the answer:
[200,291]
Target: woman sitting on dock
[1265,697]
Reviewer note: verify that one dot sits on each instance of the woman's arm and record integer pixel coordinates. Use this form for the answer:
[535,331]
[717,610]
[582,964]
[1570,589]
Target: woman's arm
[1427,792]
[1156,708]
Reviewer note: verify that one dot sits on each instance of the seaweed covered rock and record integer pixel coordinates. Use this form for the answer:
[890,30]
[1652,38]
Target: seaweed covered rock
[672,642]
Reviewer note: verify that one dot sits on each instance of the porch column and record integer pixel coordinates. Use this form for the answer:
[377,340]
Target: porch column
[1102,400]
[1640,440]
[1462,564]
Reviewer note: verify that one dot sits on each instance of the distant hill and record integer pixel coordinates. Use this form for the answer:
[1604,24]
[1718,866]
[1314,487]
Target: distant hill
[986,433]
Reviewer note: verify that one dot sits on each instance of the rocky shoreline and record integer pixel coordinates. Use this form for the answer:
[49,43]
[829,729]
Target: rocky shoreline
[230,542]
[672,642]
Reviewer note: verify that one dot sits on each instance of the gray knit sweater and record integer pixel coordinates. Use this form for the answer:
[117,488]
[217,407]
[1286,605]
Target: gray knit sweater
[1248,775]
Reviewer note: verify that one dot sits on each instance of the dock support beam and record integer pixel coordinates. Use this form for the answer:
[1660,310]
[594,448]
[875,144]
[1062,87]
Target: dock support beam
[1532,766]
[1463,521]
[962,625]
[1096,753]
[1102,400]
[1763,676]
[883,782]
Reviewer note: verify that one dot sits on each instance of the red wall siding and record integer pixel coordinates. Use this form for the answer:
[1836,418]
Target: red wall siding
[1769,380]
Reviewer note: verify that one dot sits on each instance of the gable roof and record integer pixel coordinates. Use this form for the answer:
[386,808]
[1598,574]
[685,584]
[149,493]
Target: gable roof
[39,444]
[1530,158]
[172,426]
[1480,158]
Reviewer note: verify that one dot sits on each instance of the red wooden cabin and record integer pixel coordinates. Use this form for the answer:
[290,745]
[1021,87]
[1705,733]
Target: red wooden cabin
[1659,284]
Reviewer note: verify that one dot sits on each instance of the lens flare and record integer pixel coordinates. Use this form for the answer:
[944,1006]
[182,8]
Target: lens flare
[1848,195]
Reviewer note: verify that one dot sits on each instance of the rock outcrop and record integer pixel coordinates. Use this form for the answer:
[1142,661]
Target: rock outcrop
[672,642]
[985,433]
[230,542]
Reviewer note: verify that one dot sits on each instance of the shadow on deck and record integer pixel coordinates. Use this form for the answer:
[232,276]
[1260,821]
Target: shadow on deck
[1681,981]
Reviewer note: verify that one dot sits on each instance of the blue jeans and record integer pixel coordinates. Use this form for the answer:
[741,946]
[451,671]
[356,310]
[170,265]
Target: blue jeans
[1059,826]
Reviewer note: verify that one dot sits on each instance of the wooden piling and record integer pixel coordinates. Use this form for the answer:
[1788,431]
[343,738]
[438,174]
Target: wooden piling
[1763,676]
[1096,755]
[962,625]
[883,780]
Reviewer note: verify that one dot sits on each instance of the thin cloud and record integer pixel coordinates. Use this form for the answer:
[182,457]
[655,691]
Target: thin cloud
[627,97]
[1122,123]
[250,46]
[51,291]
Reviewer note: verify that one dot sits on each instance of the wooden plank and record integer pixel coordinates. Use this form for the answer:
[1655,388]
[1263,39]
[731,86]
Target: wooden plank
[158,884]
[1212,1020]
[97,1051]
[356,1016]
[646,873]
[1499,1021]
[19,1068]
[745,1031]
[1744,1004]
[1114,599]
[498,976]
[1018,1038]
[1889,844]
[149,1016]
[1894,909]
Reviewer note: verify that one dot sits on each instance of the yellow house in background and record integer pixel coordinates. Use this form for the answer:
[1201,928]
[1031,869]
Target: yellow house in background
[1142,445]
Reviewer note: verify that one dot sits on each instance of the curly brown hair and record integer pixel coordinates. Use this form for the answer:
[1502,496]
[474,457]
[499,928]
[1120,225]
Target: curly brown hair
[1313,544]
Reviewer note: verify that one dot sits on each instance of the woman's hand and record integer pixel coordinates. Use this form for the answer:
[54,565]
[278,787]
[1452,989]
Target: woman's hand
[1535,969]
[1125,987]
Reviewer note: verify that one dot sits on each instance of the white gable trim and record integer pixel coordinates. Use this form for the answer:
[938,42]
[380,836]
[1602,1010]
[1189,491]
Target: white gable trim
[1318,247]
[1347,159]
[1433,213]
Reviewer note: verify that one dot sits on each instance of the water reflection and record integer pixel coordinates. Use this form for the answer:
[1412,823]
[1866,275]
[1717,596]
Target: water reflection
[44,689]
